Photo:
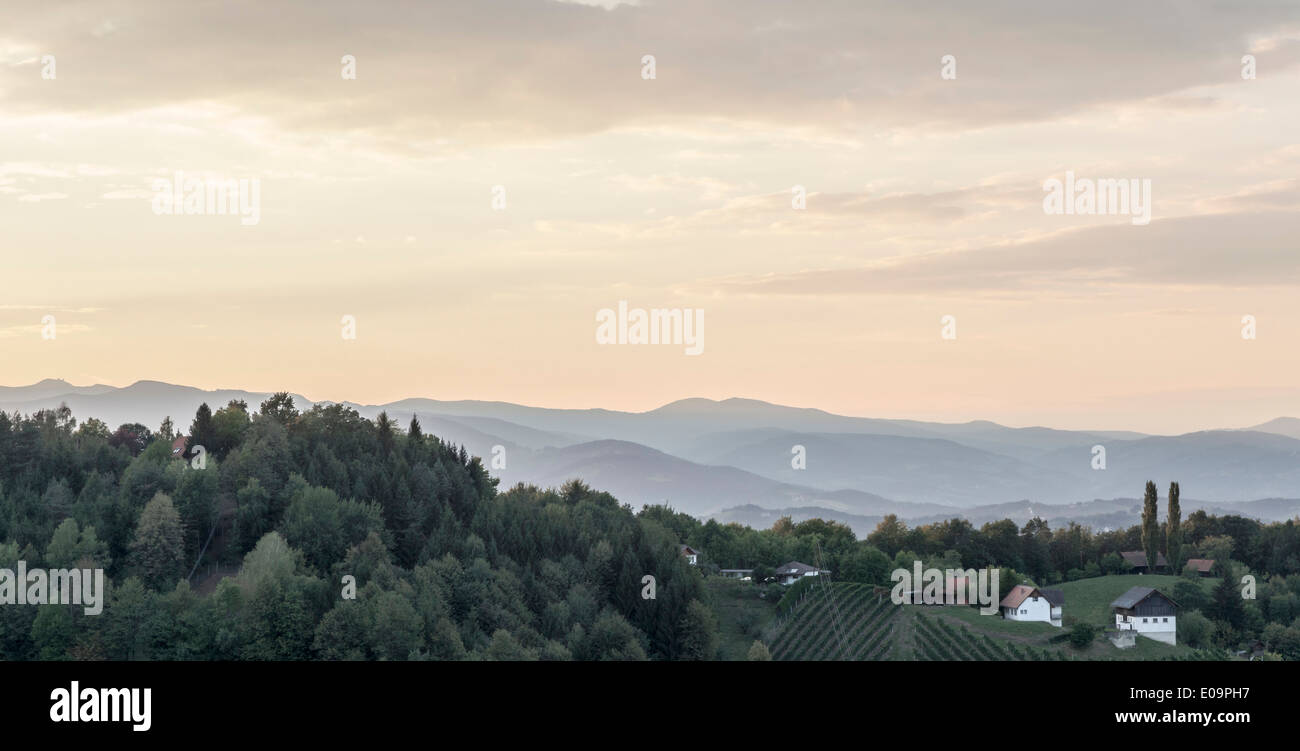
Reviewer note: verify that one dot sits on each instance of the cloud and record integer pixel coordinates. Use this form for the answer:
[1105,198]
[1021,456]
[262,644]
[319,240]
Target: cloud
[437,75]
[36,330]
[1277,194]
[1229,250]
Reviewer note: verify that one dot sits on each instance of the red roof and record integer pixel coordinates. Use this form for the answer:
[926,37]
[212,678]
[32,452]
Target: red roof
[1202,565]
[1017,595]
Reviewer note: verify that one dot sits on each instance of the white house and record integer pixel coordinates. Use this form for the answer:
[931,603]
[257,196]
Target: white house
[1147,612]
[691,555]
[1026,603]
[789,573]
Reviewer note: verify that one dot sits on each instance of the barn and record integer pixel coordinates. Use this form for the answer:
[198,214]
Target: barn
[1148,612]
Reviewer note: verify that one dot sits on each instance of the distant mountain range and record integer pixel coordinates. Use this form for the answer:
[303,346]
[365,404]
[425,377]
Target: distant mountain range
[732,458]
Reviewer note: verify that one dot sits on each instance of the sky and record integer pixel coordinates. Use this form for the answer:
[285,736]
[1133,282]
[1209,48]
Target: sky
[825,181]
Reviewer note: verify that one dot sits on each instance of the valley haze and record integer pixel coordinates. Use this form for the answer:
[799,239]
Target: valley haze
[731,459]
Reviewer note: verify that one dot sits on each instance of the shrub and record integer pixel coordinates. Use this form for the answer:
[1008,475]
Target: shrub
[1081,635]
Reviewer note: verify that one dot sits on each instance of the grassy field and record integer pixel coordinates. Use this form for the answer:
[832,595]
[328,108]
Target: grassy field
[1037,636]
[961,633]
[1089,600]
[997,625]
[742,615]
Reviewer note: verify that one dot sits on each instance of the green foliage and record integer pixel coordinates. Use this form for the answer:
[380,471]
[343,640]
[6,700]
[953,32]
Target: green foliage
[158,549]
[1174,531]
[1190,594]
[1082,635]
[1226,604]
[1151,542]
[794,593]
[72,547]
[448,567]
[1194,629]
[698,633]
[202,430]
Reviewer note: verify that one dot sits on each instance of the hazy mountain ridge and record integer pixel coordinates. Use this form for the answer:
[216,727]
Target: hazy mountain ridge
[1287,426]
[714,457]
[1116,513]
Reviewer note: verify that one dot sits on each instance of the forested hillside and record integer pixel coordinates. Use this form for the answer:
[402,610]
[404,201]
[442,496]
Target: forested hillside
[286,535]
[446,567]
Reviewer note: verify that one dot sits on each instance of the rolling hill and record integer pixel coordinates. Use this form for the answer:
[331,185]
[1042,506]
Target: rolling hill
[733,457]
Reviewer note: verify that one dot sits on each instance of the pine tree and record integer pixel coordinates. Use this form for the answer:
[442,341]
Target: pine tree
[167,431]
[1151,527]
[414,442]
[202,430]
[1225,604]
[1174,531]
[384,431]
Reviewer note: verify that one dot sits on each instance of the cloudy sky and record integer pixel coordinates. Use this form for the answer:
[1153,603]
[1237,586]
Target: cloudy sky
[924,199]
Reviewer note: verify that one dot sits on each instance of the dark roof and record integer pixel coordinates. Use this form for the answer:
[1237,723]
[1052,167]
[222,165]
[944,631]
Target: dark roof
[794,568]
[1202,565]
[1054,596]
[1139,558]
[1131,598]
[692,550]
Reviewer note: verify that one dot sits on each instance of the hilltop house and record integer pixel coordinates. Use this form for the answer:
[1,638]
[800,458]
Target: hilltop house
[793,571]
[178,447]
[1026,603]
[1145,611]
[691,555]
[1137,559]
[1202,566]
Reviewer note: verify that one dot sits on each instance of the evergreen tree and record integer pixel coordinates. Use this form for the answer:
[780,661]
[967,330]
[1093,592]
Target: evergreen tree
[167,431]
[384,431]
[202,431]
[414,442]
[1226,605]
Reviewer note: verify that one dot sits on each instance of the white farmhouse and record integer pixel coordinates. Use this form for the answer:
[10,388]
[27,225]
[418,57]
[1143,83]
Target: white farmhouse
[1026,603]
[1148,612]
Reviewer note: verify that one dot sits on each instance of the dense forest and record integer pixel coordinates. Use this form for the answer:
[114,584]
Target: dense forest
[445,566]
[286,535]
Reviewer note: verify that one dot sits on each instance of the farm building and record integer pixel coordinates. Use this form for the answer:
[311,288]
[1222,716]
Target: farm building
[1137,559]
[1202,566]
[793,571]
[1026,603]
[1146,611]
[736,573]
